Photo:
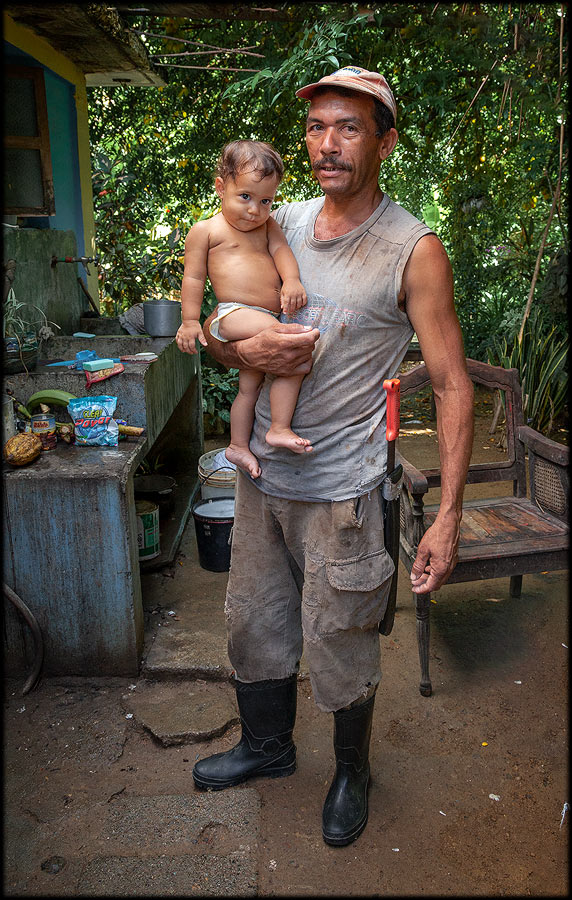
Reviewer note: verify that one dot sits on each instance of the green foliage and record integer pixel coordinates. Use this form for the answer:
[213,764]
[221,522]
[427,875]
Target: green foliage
[481,92]
[553,292]
[219,391]
[541,359]
[141,258]
[151,465]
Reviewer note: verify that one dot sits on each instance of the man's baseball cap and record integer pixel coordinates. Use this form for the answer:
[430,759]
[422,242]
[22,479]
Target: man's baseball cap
[357,79]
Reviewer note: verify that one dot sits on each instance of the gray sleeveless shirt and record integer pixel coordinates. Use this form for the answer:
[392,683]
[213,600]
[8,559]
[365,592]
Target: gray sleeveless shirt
[352,283]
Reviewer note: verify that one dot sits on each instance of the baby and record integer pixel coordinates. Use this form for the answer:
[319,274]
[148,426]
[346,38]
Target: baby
[254,276]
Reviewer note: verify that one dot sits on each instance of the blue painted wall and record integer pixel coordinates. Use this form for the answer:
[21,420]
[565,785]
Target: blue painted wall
[62,120]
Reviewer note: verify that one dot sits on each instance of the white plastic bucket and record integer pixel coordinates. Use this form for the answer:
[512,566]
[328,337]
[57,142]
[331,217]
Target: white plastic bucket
[147,529]
[215,482]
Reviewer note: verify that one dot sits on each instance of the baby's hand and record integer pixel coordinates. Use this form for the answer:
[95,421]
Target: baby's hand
[292,296]
[188,334]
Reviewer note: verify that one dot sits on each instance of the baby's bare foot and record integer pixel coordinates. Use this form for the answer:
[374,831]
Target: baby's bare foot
[288,439]
[244,459]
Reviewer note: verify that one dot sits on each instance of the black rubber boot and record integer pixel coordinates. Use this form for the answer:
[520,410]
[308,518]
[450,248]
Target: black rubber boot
[265,750]
[345,810]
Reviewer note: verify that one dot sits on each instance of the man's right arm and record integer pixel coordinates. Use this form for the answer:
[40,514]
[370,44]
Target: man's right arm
[279,350]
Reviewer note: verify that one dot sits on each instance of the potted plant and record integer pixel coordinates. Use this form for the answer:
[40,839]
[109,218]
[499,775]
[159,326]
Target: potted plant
[23,327]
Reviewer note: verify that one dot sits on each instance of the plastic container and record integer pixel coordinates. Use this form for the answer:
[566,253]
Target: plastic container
[20,353]
[216,481]
[161,318]
[147,529]
[8,419]
[214,519]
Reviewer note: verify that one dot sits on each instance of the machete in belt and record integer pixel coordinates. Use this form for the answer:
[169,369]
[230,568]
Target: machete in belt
[391,493]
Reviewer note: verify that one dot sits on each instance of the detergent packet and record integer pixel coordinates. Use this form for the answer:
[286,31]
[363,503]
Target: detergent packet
[93,420]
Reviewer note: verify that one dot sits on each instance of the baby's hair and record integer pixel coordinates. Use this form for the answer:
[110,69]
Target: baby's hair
[239,157]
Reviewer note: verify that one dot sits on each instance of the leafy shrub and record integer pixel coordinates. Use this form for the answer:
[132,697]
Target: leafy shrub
[541,360]
[219,391]
[553,291]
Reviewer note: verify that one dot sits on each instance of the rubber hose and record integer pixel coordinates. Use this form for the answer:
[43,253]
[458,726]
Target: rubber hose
[28,615]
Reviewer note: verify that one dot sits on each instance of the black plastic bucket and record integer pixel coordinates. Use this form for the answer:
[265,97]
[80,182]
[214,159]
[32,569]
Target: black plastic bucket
[214,519]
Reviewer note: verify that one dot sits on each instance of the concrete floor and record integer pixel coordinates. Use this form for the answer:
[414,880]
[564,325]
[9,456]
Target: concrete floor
[468,787]
[469,792]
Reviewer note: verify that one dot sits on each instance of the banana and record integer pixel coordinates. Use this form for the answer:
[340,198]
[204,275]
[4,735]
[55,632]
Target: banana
[51,397]
[22,410]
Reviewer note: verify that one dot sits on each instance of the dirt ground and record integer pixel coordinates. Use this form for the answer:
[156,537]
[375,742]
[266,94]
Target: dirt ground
[469,793]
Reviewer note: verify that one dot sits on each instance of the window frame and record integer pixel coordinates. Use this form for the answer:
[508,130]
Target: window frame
[40,142]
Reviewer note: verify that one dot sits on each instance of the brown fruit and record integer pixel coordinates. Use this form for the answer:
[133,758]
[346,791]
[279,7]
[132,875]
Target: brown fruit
[134,430]
[22,449]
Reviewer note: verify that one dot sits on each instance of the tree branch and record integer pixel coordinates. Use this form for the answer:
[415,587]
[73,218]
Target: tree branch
[169,37]
[543,242]
[560,55]
[206,52]
[483,82]
[205,68]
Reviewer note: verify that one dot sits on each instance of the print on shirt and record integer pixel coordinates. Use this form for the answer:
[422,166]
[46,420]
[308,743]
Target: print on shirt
[322,313]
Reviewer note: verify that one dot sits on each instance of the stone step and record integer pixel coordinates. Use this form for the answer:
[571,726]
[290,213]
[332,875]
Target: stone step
[186,653]
[182,711]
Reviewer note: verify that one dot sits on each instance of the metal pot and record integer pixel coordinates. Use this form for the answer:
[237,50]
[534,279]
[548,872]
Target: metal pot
[161,318]
[158,488]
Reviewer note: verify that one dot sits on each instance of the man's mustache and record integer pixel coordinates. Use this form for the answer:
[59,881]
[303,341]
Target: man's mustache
[329,161]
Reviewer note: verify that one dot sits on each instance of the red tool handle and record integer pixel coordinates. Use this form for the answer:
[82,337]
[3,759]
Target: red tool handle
[392,385]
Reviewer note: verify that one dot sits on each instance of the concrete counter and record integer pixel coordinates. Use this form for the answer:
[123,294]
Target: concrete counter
[70,553]
[147,393]
[70,546]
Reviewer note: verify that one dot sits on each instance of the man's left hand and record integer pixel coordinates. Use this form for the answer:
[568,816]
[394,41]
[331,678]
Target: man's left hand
[436,558]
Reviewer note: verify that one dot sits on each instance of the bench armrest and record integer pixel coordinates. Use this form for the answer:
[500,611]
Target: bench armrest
[413,479]
[558,454]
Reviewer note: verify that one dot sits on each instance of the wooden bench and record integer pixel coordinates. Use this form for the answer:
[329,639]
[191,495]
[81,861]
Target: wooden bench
[500,536]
